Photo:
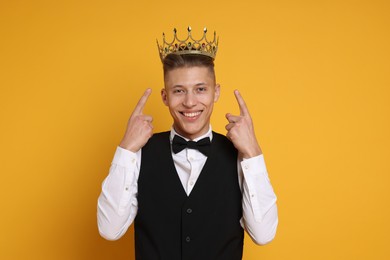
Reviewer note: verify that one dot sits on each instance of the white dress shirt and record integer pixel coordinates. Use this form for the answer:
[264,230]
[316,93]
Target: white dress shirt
[118,205]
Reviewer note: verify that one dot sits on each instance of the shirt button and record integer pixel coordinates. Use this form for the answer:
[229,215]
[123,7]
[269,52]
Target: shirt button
[191,159]
[191,183]
[246,167]
[133,160]
[189,211]
[188,239]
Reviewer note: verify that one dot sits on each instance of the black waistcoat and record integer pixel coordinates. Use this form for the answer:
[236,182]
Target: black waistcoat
[203,226]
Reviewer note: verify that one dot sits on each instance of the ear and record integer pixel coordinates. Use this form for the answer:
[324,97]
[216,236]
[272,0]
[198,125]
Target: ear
[164,96]
[216,92]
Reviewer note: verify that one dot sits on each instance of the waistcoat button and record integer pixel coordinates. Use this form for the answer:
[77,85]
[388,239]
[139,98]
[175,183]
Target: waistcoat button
[188,239]
[189,211]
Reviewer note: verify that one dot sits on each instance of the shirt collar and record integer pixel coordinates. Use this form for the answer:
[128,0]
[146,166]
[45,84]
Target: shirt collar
[208,134]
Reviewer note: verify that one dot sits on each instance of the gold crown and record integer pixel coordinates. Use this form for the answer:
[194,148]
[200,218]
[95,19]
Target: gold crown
[189,45]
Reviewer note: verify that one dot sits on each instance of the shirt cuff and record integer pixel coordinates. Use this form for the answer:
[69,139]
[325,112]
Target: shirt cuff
[254,165]
[124,158]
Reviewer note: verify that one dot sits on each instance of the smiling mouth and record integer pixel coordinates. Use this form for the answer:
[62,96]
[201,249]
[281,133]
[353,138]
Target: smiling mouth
[192,114]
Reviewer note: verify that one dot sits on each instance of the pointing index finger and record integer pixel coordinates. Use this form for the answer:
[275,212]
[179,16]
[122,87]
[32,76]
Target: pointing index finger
[241,103]
[141,103]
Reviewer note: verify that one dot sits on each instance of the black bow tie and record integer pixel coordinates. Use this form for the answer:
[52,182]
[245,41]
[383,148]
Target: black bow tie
[179,144]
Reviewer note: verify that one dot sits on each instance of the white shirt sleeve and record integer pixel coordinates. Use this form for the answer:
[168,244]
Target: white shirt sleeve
[117,203]
[260,214]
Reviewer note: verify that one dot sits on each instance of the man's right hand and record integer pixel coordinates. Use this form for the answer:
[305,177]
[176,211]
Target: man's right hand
[139,127]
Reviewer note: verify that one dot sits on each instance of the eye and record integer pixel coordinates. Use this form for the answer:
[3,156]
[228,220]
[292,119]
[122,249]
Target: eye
[201,89]
[178,91]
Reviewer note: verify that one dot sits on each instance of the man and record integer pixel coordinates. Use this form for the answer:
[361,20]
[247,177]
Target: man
[191,192]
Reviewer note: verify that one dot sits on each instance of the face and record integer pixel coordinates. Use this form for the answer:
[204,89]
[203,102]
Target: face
[190,94]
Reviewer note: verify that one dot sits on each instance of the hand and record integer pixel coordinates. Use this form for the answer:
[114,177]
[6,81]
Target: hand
[240,131]
[139,127]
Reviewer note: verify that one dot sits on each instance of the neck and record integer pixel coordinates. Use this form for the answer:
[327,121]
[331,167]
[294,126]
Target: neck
[192,137]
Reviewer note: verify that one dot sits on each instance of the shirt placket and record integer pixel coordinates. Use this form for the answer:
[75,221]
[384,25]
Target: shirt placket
[192,178]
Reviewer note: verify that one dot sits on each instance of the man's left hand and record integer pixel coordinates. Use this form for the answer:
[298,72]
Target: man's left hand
[240,131]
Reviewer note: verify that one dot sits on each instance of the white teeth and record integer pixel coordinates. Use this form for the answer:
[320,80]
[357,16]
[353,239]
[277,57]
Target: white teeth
[191,114]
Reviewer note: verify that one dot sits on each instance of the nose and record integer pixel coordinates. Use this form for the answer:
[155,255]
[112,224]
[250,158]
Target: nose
[190,100]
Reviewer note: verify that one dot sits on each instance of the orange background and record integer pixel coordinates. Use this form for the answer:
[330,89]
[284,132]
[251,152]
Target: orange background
[314,74]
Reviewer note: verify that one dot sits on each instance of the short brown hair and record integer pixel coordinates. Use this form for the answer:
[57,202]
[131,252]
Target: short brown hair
[174,61]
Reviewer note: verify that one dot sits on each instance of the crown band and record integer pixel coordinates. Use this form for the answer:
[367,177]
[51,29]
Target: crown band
[188,45]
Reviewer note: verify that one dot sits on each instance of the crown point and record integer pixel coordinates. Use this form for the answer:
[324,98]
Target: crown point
[174,30]
[189,28]
[205,30]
